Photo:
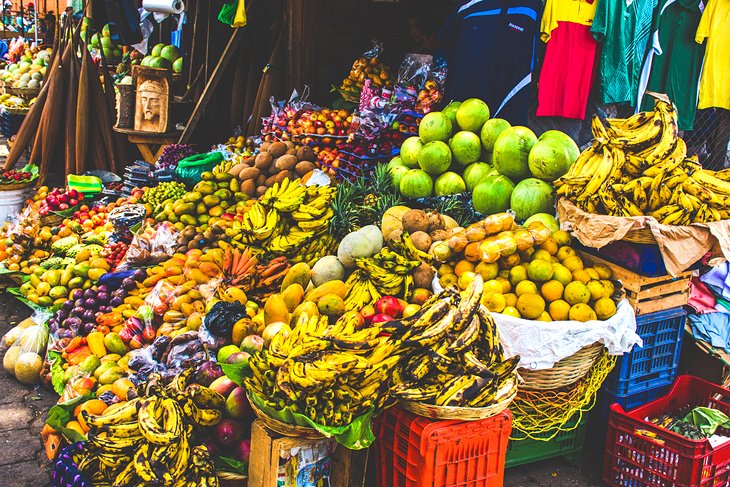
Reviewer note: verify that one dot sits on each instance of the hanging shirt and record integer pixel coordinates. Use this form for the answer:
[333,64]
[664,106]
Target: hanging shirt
[566,75]
[624,27]
[490,49]
[674,60]
[715,29]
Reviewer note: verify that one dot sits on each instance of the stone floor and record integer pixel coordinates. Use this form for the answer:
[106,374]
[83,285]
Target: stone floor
[23,409]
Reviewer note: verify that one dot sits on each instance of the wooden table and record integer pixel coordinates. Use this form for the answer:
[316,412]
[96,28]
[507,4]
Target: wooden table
[150,144]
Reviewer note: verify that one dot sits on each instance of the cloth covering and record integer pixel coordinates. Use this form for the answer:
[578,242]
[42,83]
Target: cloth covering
[713,328]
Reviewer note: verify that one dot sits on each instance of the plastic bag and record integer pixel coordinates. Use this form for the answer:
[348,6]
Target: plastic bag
[168,356]
[190,169]
[124,219]
[221,317]
[367,66]
[27,344]
[150,246]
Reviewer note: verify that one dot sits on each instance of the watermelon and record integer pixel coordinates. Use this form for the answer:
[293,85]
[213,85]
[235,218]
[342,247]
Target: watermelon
[465,147]
[449,183]
[476,173]
[435,157]
[493,195]
[416,184]
[450,111]
[435,126]
[512,151]
[552,156]
[532,196]
[396,173]
[409,151]
[491,130]
[472,114]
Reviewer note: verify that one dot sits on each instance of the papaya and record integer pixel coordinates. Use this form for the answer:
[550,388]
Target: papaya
[336,287]
[292,296]
[83,256]
[209,269]
[114,343]
[275,310]
[298,273]
[100,263]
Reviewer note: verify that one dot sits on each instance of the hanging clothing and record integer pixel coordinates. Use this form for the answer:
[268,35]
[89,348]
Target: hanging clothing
[674,61]
[490,49]
[715,29]
[566,75]
[623,27]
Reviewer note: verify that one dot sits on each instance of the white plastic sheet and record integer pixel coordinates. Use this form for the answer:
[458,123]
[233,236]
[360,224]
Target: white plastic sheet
[541,344]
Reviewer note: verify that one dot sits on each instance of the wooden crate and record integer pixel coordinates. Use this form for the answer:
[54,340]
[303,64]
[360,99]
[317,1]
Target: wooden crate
[648,294]
[270,450]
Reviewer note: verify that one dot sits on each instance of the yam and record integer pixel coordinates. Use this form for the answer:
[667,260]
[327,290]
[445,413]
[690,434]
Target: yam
[261,190]
[260,180]
[248,173]
[277,149]
[286,162]
[249,161]
[236,169]
[303,167]
[263,160]
[289,145]
[291,152]
[270,181]
[265,146]
[282,176]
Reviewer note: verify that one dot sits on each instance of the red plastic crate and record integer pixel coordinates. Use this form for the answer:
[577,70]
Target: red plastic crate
[418,452]
[670,460]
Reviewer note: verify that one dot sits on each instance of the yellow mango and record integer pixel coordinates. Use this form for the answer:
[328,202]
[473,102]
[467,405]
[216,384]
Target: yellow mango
[292,296]
[337,288]
[307,308]
[298,274]
[275,310]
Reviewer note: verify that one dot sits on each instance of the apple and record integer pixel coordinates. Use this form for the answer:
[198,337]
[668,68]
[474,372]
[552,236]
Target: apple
[381,318]
[388,305]
[410,310]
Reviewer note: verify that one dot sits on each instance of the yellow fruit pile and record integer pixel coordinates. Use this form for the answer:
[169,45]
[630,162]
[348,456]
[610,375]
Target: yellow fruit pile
[545,282]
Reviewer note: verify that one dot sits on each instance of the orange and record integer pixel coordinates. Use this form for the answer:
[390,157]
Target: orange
[581,275]
[94,406]
[573,263]
[525,287]
[565,252]
[530,305]
[511,311]
[604,272]
[466,278]
[463,266]
[445,269]
[593,273]
[76,426]
[562,238]
[448,280]
[552,290]
[494,302]
[550,246]
[493,286]
[486,270]
[506,286]
[510,299]
[559,310]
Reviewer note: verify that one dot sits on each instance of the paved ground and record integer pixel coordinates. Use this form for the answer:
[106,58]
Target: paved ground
[23,410]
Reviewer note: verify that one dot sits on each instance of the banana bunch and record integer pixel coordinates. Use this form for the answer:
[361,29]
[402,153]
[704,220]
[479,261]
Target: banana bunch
[313,250]
[224,166]
[387,273]
[147,440]
[329,373]
[451,353]
[639,166]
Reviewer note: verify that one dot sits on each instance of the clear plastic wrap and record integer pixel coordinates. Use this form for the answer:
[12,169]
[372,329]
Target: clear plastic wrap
[26,348]
[366,67]
[150,246]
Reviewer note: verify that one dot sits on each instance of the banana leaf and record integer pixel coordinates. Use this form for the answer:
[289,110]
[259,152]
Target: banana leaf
[15,291]
[355,436]
[60,414]
[236,372]
[57,372]
[229,464]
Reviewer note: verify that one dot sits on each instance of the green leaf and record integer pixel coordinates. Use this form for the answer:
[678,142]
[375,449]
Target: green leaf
[57,372]
[355,436]
[67,213]
[234,465]
[236,372]
[60,414]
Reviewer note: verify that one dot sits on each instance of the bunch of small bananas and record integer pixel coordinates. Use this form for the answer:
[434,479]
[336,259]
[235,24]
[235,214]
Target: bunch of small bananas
[147,440]
[387,273]
[288,217]
[225,165]
[329,373]
[315,249]
[639,166]
[451,353]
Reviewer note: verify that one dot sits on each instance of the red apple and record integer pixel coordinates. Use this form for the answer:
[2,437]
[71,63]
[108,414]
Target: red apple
[382,318]
[388,305]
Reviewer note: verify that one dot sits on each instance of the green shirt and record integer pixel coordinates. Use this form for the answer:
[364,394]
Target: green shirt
[675,59]
[624,31]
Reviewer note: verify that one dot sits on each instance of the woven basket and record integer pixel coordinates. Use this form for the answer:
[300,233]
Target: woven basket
[51,219]
[567,371]
[225,475]
[13,186]
[642,236]
[285,429]
[458,413]
[17,111]
[22,91]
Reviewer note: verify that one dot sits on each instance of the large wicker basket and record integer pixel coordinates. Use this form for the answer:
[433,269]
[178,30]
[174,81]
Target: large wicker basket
[51,219]
[460,413]
[285,429]
[641,236]
[564,373]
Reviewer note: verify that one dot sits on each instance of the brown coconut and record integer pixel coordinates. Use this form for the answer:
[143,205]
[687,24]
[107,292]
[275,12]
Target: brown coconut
[423,276]
[438,235]
[415,221]
[305,153]
[435,222]
[421,240]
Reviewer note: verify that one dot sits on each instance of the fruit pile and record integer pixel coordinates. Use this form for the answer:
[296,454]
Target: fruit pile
[132,443]
[92,218]
[163,193]
[241,145]
[29,71]
[12,176]
[639,166]
[444,159]
[114,253]
[60,200]
[275,162]
[165,57]
[104,43]
[531,272]
[452,354]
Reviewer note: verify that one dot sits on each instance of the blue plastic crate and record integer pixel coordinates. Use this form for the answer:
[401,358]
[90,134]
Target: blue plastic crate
[604,399]
[655,364]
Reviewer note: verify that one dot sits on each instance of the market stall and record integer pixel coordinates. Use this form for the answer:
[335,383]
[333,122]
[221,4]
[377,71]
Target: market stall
[378,286]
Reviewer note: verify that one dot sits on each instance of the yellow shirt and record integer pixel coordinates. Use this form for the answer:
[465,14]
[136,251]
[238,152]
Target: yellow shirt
[577,11]
[715,28]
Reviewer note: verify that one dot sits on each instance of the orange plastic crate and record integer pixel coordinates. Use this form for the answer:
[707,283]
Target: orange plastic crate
[417,452]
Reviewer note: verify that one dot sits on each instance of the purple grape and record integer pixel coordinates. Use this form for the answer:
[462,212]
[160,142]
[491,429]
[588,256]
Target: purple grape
[68,305]
[77,311]
[79,302]
[90,303]
[116,301]
[128,284]
[54,328]
[140,275]
[87,328]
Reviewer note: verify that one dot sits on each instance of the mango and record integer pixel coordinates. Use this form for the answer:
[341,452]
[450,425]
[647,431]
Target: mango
[113,357]
[211,200]
[233,294]
[76,282]
[89,364]
[336,287]
[196,275]
[192,197]
[100,263]
[307,308]
[81,270]
[43,288]
[298,274]
[195,319]
[331,305]
[52,277]
[182,208]
[292,296]
[206,187]
[58,292]
[44,301]
[112,374]
[83,256]
[223,194]
[209,269]
[241,329]
[275,309]
[104,367]
[114,343]
[34,280]
[96,273]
